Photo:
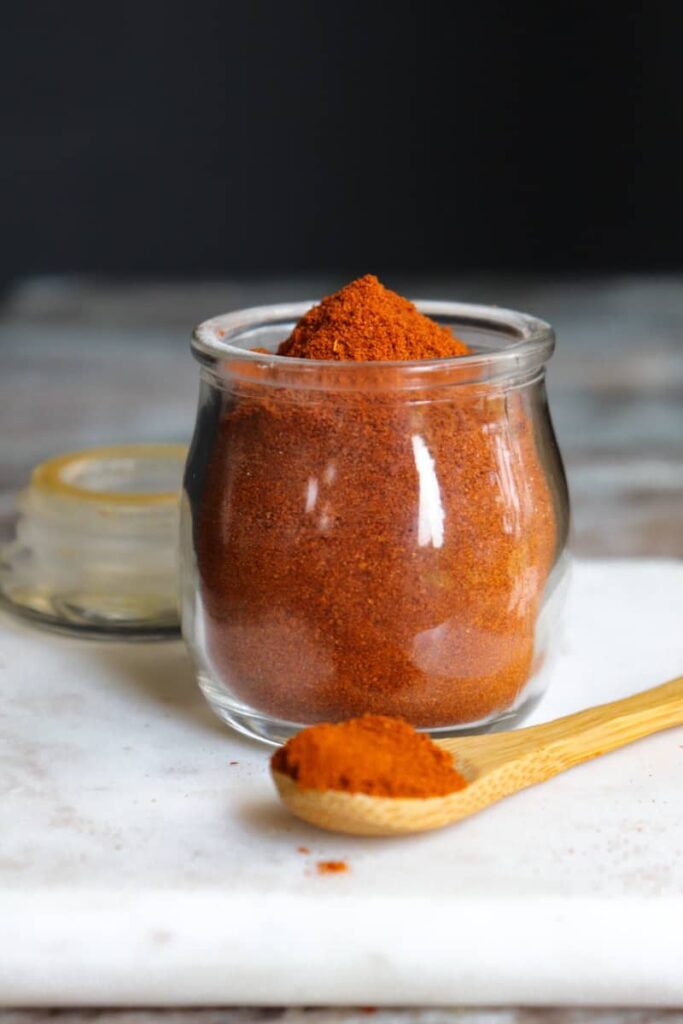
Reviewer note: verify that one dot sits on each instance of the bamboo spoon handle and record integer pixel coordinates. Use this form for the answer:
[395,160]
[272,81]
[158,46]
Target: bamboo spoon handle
[554,746]
[495,766]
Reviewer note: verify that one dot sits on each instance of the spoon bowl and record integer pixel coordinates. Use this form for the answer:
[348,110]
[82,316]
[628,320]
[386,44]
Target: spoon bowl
[494,765]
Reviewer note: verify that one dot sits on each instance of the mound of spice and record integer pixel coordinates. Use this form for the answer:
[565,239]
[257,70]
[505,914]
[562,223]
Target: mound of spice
[373,548]
[374,754]
[365,321]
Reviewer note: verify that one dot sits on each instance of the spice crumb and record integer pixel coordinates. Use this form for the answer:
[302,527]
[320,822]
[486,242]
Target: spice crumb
[303,849]
[234,762]
[331,867]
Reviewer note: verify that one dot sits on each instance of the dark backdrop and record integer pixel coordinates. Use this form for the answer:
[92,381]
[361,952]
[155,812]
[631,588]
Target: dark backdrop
[207,137]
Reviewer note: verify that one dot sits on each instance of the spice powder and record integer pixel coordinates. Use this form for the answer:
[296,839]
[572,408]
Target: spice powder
[374,550]
[375,754]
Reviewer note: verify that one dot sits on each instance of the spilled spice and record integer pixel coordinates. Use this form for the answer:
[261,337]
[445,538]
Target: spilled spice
[374,754]
[331,867]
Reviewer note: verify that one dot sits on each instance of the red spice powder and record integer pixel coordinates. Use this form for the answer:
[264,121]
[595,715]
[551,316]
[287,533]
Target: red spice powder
[331,867]
[366,321]
[374,550]
[375,754]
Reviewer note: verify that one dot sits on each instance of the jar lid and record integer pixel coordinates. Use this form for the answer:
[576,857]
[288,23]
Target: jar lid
[96,547]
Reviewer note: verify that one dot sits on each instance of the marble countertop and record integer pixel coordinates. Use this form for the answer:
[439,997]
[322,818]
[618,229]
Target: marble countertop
[84,363]
[145,859]
[362,1015]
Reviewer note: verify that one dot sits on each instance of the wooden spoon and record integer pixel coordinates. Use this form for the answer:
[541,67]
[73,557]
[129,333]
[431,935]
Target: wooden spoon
[495,765]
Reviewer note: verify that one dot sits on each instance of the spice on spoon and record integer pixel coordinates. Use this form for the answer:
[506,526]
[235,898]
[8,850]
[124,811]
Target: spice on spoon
[375,754]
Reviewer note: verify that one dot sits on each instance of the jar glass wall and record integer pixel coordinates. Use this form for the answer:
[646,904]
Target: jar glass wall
[373,537]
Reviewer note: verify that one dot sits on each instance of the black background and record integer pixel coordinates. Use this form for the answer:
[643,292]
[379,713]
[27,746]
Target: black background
[207,138]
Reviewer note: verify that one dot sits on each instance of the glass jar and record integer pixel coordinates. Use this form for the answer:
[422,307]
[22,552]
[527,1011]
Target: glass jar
[387,538]
[96,546]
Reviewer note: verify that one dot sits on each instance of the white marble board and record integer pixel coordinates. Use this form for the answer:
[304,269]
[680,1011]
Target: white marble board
[139,866]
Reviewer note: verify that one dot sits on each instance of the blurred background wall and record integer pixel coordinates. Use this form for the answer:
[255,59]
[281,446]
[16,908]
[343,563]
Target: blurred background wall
[165,160]
[210,137]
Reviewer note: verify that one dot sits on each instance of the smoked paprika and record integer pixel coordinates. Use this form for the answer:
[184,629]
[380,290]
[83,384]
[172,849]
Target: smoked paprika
[365,321]
[375,754]
[380,547]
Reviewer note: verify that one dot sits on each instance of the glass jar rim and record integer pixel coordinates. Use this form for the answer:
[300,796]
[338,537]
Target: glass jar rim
[532,340]
[60,477]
